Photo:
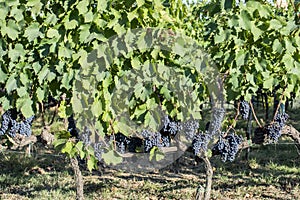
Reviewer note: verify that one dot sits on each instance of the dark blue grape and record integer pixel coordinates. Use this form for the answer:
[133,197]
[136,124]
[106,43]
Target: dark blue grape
[216,122]
[154,139]
[170,127]
[14,128]
[274,129]
[25,129]
[227,147]
[5,123]
[244,109]
[190,128]
[165,141]
[99,150]
[200,143]
[281,119]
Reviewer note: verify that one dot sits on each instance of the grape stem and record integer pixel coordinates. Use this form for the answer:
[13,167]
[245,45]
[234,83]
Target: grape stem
[253,111]
[277,109]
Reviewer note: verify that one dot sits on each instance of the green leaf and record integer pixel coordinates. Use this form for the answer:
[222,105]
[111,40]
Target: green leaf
[12,29]
[43,73]
[277,46]
[132,15]
[288,28]
[80,148]
[88,17]
[57,143]
[245,20]
[40,94]
[32,31]
[71,24]
[140,3]
[275,24]
[68,148]
[97,108]
[240,58]
[22,91]
[227,4]
[179,47]
[289,46]
[151,121]
[52,33]
[268,83]
[111,157]
[17,13]
[64,52]
[16,53]
[62,110]
[255,31]
[3,76]
[84,32]
[101,5]
[36,67]
[288,61]
[155,152]
[234,80]
[91,163]
[82,6]
[124,127]
[11,84]
[26,108]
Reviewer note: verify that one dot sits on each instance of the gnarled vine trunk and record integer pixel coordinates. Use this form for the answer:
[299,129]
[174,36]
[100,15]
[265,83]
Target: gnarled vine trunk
[78,178]
[205,194]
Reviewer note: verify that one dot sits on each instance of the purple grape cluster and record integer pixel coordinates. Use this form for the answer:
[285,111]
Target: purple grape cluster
[227,147]
[190,128]
[10,125]
[200,143]
[170,127]
[216,122]
[99,150]
[154,139]
[274,129]
[244,109]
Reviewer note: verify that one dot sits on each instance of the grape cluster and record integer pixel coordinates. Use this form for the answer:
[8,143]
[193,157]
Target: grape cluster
[190,129]
[227,147]
[244,109]
[200,142]
[10,125]
[281,119]
[99,150]
[170,127]
[216,122]
[274,129]
[154,139]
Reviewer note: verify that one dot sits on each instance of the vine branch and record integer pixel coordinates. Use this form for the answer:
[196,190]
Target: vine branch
[253,111]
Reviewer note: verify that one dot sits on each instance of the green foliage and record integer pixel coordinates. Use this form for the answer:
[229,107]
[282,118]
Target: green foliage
[46,47]
[72,148]
[256,46]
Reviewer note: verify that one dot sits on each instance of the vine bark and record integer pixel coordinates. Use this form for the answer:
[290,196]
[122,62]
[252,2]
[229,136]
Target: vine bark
[78,178]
